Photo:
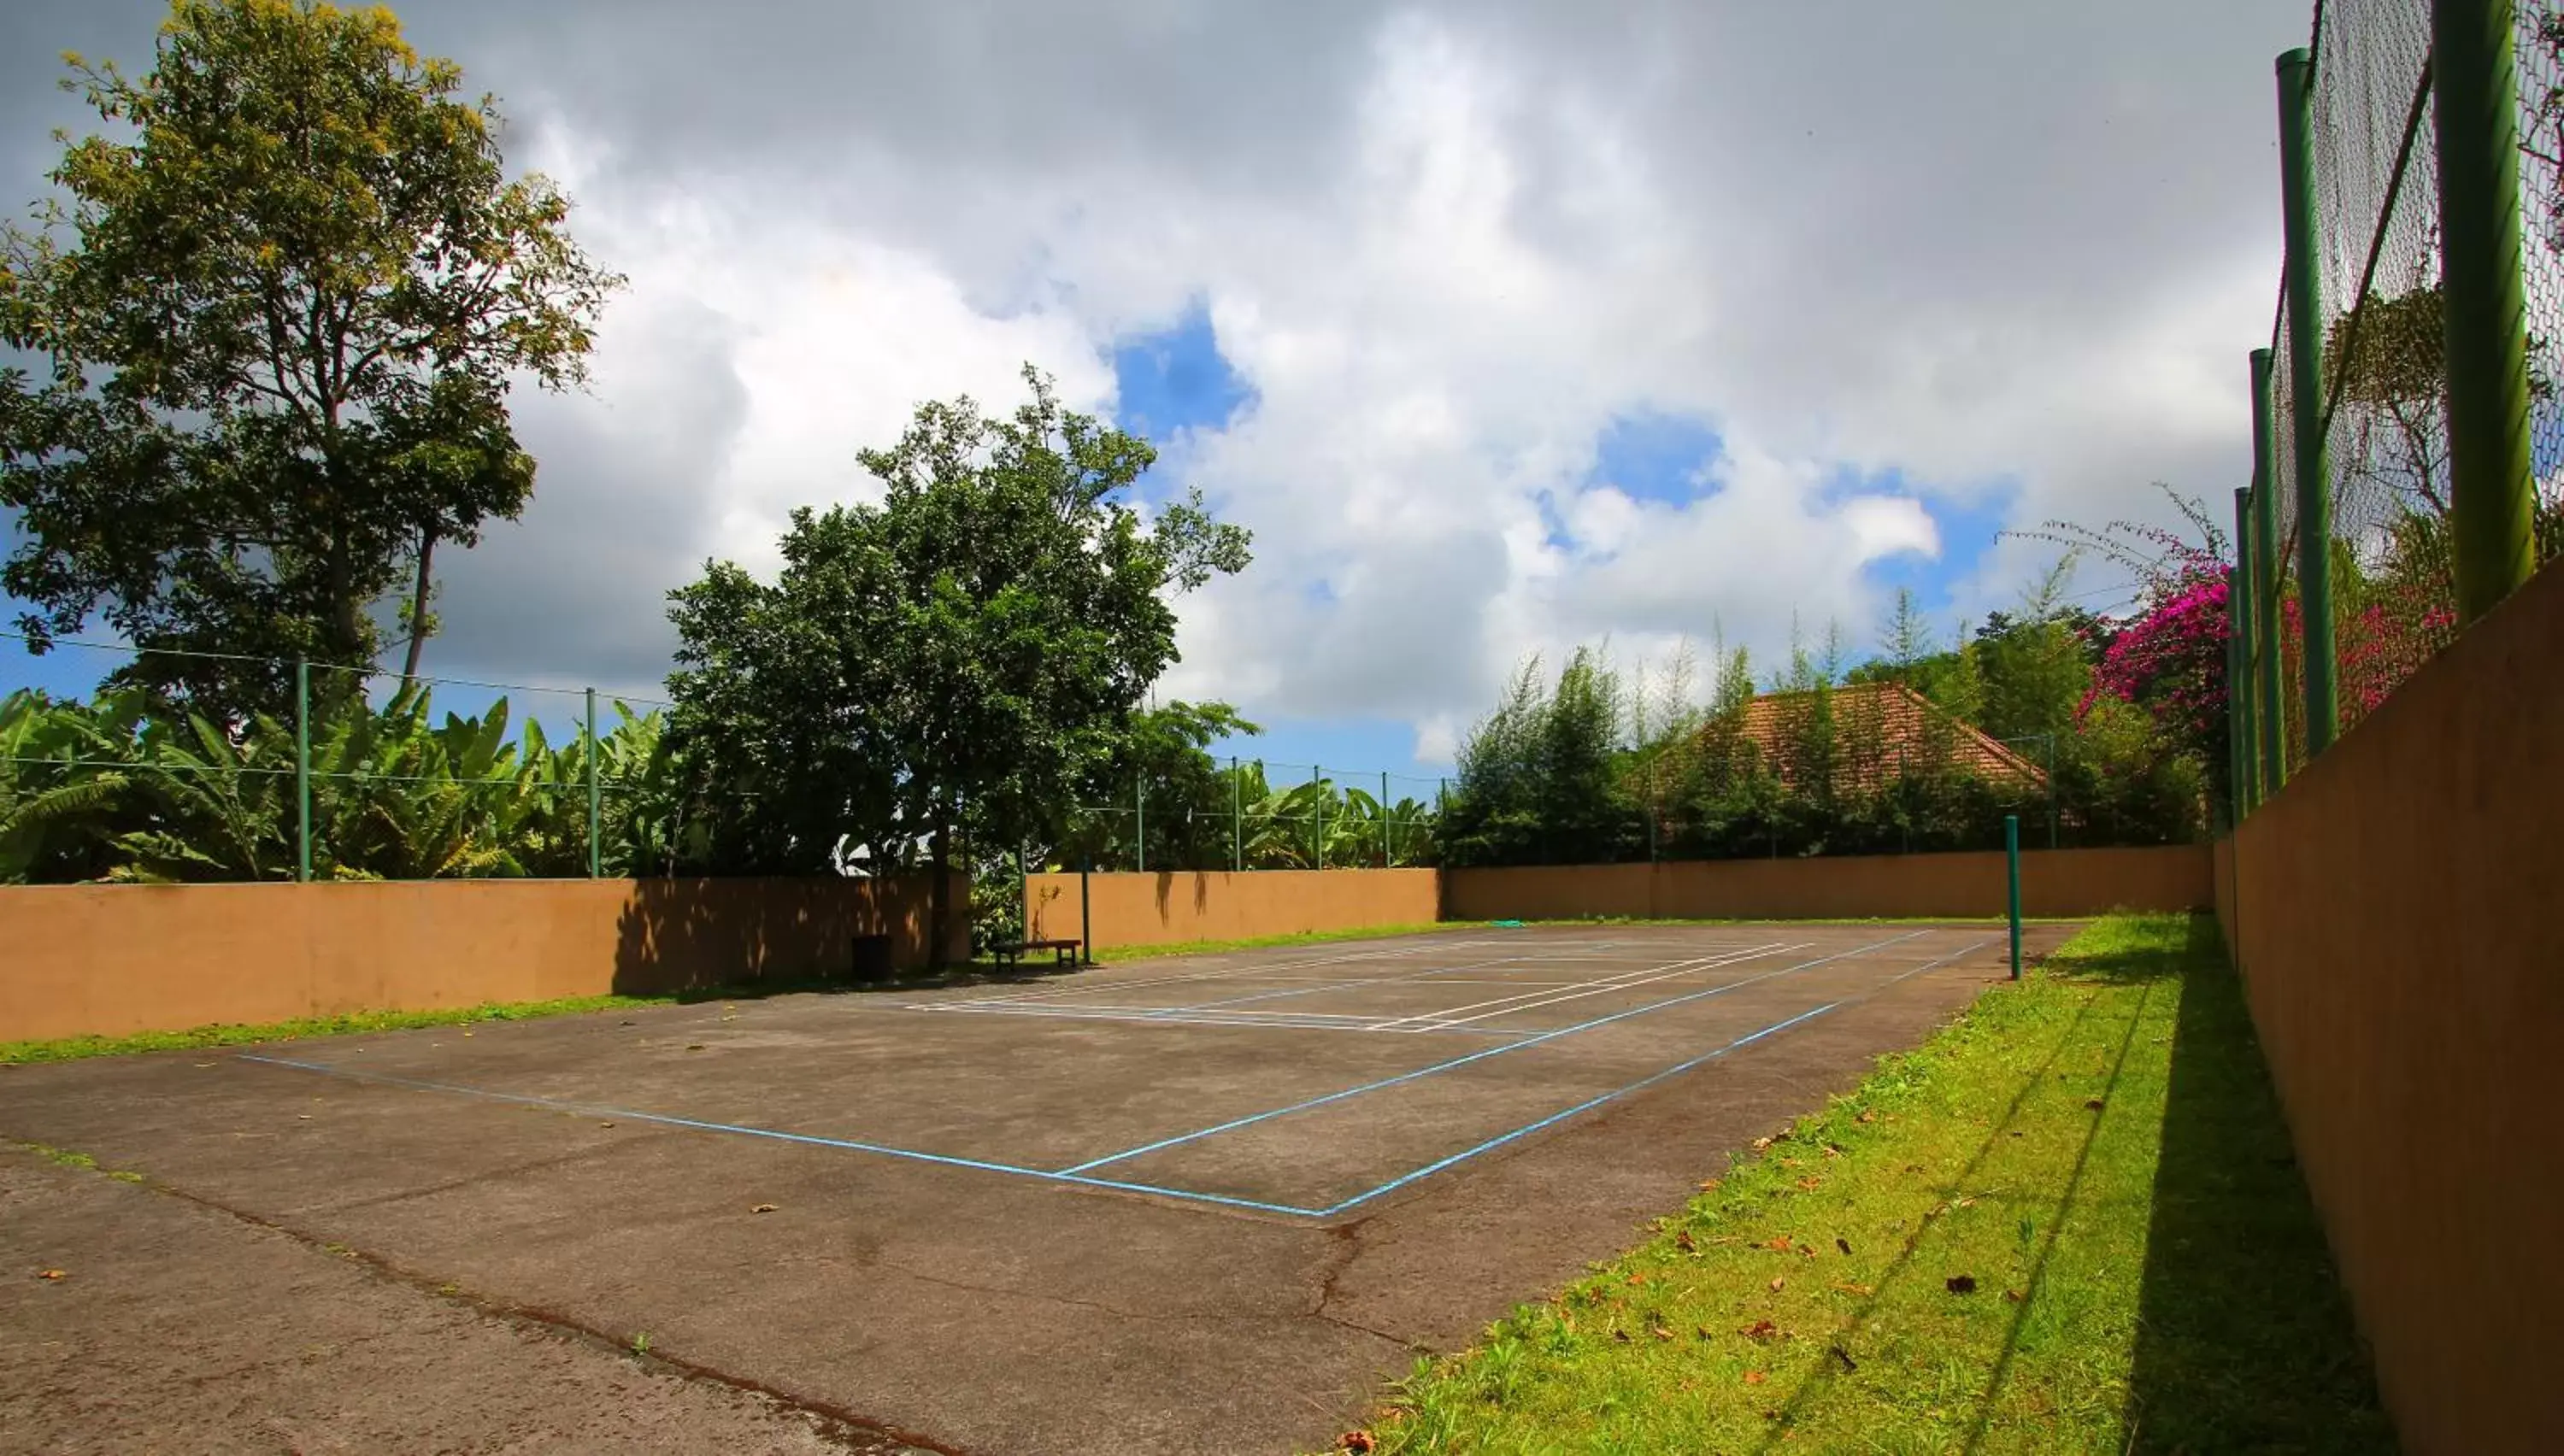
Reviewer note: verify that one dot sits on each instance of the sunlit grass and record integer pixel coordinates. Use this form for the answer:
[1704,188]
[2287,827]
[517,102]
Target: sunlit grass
[1962,1256]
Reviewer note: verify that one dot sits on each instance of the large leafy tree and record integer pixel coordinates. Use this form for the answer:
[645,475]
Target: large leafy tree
[278,311]
[979,639]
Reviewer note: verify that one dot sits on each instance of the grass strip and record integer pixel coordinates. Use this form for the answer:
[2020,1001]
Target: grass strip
[2069,1222]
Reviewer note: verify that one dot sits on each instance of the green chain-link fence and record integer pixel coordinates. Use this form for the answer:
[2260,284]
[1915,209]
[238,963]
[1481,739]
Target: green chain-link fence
[2354,533]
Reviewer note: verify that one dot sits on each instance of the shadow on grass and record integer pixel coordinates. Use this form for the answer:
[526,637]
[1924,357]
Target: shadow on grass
[2245,1340]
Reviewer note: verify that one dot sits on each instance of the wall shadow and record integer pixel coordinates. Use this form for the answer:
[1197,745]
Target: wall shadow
[703,938]
[2245,1338]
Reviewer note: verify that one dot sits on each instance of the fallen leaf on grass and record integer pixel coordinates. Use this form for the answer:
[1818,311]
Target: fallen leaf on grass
[1709,1185]
[1662,1332]
[1838,1353]
[1685,1242]
[1700,1332]
[1961,1284]
[1968,1202]
[1780,1244]
[1843,1244]
[2094,1106]
[53,1274]
[1833,1151]
[1867,1115]
[1753,1377]
[1637,1279]
[2013,1294]
[1810,1184]
[1776,1285]
[1863,1289]
[763,1208]
[1621,1334]
[1761,1143]
[1356,1441]
[1760,1330]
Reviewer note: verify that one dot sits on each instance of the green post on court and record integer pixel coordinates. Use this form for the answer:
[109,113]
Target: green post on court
[2012,883]
[2483,319]
[1140,821]
[303,769]
[595,795]
[2306,394]
[2270,721]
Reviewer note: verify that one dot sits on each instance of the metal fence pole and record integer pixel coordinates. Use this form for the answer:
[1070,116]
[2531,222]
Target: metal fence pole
[2240,707]
[1383,819]
[2483,316]
[1318,776]
[2296,70]
[1236,817]
[303,770]
[2272,721]
[595,795]
[2011,884]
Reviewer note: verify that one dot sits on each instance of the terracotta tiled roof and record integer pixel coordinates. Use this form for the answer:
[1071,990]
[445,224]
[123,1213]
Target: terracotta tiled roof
[1899,722]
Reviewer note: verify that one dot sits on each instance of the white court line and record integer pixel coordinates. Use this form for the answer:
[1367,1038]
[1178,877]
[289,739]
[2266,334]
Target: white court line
[1639,977]
[1447,1020]
[1233,971]
[1272,1021]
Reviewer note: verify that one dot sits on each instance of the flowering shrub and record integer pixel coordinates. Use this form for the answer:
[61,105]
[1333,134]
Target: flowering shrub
[2172,661]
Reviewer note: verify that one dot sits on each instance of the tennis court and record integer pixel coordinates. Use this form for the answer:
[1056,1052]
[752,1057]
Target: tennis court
[1205,1199]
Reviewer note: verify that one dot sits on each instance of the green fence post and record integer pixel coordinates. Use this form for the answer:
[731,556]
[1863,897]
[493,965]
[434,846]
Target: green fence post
[1236,817]
[1318,776]
[303,770]
[2012,883]
[2306,394]
[1383,819]
[2270,721]
[2475,105]
[1086,911]
[1139,822]
[2239,705]
[595,796]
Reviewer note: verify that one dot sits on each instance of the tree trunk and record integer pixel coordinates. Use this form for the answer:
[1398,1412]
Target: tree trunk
[939,900]
[418,601]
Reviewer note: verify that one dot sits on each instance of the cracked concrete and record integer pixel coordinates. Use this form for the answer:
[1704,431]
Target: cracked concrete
[505,1255]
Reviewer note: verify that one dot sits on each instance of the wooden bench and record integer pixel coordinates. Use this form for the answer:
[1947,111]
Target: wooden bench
[1008,952]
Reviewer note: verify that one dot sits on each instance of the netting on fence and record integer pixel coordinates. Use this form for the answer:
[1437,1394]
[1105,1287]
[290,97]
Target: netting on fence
[356,774]
[2382,409]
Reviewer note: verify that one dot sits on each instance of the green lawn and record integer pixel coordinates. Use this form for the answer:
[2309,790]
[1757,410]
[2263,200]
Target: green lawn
[2070,1222]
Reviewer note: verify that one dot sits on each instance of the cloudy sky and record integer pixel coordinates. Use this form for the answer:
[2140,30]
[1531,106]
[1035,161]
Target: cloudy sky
[1505,327]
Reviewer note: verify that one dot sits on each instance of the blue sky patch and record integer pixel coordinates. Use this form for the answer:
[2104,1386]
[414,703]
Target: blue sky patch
[1176,380]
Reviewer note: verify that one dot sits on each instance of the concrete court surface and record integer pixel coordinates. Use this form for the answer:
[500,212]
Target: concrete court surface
[1198,1204]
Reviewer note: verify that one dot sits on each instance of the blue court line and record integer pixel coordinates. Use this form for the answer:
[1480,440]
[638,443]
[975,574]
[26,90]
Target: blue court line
[1074,1177]
[1236,1123]
[812,1139]
[1525,1131]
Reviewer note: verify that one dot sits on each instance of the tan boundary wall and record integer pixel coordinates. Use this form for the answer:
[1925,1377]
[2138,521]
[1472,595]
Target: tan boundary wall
[111,960]
[1152,908]
[2070,882]
[2395,909]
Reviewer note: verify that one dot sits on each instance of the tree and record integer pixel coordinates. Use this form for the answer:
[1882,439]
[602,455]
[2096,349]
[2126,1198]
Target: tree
[280,314]
[981,638]
[1543,779]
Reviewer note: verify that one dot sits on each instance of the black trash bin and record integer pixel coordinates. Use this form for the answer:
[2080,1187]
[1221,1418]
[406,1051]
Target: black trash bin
[872,958]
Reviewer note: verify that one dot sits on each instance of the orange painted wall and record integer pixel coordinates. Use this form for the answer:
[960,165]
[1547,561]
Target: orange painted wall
[110,959]
[2053,883]
[2395,908]
[1173,908]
